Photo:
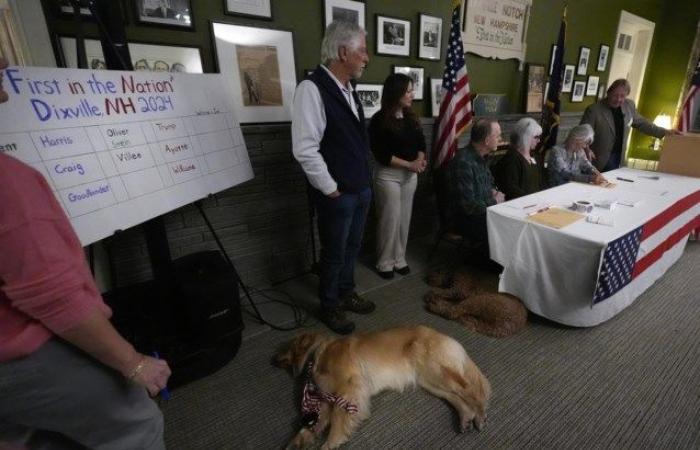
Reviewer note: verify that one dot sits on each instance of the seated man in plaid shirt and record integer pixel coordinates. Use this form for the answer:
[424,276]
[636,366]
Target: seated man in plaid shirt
[474,189]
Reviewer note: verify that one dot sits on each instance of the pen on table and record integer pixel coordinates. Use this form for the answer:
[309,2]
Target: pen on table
[529,206]
[625,179]
[164,393]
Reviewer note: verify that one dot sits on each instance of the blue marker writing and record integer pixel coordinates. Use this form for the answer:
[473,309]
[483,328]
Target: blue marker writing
[164,393]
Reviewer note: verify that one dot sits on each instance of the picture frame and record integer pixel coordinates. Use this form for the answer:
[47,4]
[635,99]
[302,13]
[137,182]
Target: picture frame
[584,55]
[552,55]
[349,10]
[603,54]
[165,13]
[429,37]
[578,91]
[258,9]
[370,96]
[155,57]
[417,74]
[567,81]
[260,64]
[393,36]
[435,96]
[534,97]
[592,85]
[602,91]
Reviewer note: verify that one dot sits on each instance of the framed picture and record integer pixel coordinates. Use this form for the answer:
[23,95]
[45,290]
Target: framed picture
[567,81]
[551,59]
[601,91]
[157,58]
[535,88]
[260,64]
[435,95]
[370,97]
[578,91]
[348,10]
[429,37]
[584,55]
[592,86]
[603,58]
[393,36]
[416,74]
[169,13]
[259,9]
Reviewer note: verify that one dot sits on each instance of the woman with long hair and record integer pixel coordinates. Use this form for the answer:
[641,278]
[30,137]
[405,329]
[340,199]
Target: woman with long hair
[398,145]
[517,173]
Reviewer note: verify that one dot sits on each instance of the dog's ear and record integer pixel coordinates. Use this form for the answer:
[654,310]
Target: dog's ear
[297,352]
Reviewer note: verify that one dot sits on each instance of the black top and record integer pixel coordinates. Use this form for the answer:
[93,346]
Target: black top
[515,176]
[403,142]
[618,118]
[344,145]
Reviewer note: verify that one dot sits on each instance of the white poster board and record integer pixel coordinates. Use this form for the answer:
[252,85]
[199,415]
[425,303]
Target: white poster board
[119,148]
[496,28]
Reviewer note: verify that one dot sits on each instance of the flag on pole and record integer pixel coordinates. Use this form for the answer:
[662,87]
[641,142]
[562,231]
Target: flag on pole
[689,111]
[552,104]
[456,107]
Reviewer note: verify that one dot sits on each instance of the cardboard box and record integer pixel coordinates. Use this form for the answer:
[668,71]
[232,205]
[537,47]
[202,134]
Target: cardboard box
[681,155]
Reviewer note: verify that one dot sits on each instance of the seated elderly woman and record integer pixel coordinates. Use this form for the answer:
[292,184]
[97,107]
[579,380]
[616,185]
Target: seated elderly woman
[517,173]
[569,162]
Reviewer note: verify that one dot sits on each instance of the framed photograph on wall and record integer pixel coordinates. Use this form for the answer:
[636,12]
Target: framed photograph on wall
[435,96]
[157,58]
[584,55]
[535,88]
[259,9]
[393,36]
[429,37]
[603,58]
[592,86]
[416,74]
[578,91]
[370,97]
[169,13]
[260,64]
[348,10]
[567,81]
[551,59]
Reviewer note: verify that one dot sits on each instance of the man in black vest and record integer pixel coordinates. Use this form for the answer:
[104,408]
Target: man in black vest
[330,142]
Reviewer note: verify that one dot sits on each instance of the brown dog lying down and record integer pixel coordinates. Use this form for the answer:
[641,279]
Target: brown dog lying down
[458,298]
[352,369]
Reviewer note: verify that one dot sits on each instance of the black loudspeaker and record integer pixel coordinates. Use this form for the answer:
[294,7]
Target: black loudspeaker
[194,321]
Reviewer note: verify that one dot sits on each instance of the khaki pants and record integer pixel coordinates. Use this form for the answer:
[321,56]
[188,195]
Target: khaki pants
[394,189]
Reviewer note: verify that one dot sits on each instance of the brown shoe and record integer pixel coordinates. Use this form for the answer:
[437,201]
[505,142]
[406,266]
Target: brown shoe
[335,319]
[354,303]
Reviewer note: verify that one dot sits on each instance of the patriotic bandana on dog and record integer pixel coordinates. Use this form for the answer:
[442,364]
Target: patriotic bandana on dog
[312,397]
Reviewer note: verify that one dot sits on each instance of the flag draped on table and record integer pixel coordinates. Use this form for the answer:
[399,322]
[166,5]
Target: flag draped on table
[552,104]
[623,261]
[455,108]
[689,111]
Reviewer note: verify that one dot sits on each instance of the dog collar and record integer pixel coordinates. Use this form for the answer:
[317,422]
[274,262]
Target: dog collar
[312,396]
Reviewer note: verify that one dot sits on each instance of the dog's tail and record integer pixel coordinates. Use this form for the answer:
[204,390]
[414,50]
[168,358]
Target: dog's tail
[471,386]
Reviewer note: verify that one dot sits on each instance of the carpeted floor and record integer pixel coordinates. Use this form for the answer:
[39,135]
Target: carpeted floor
[630,383]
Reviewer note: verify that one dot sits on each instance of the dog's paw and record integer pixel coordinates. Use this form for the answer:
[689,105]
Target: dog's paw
[479,422]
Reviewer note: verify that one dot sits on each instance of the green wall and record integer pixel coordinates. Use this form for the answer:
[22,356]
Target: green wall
[590,23]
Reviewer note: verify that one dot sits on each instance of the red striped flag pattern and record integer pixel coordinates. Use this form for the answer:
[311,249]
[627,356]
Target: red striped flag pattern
[456,106]
[689,111]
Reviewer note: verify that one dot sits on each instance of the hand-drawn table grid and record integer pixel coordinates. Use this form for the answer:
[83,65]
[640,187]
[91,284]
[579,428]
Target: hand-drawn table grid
[95,167]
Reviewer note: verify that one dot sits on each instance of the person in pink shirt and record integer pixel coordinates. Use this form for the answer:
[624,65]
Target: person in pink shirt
[63,366]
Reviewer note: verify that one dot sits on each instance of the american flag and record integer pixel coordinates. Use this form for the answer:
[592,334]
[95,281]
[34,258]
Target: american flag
[623,261]
[552,104]
[456,107]
[692,102]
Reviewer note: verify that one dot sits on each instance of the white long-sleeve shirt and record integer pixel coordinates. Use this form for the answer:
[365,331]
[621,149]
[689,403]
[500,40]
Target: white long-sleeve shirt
[308,126]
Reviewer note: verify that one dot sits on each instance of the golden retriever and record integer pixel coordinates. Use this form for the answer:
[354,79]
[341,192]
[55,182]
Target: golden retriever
[356,367]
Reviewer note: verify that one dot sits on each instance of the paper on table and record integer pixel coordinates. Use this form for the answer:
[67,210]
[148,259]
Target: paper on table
[556,217]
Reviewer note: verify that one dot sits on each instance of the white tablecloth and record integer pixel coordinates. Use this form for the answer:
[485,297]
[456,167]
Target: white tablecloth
[557,273]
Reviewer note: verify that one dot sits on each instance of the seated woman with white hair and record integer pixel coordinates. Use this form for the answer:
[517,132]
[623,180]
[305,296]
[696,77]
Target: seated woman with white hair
[568,162]
[516,173]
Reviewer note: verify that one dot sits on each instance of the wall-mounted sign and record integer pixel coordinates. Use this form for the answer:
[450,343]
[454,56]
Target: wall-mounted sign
[496,28]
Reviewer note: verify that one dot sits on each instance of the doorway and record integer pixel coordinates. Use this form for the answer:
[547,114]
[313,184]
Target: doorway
[631,51]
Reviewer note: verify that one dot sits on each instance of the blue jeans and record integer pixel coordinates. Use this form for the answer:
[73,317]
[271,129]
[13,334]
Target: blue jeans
[341,222]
